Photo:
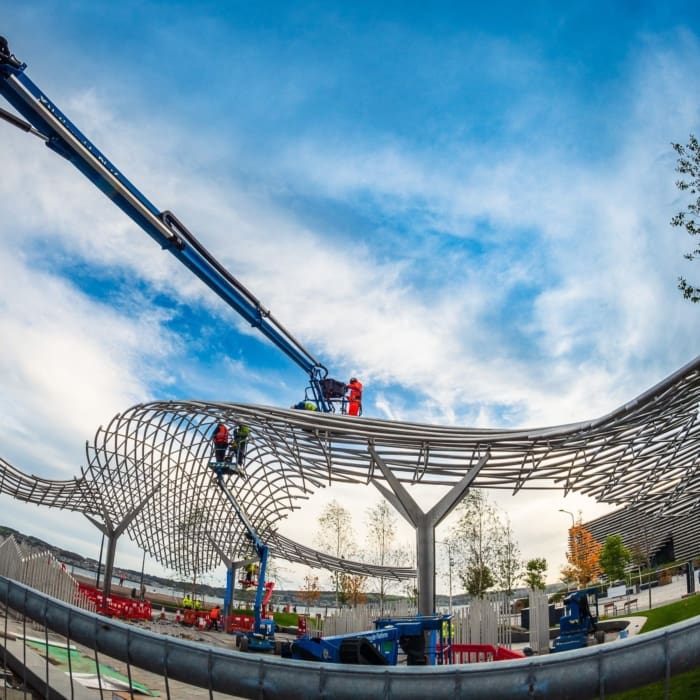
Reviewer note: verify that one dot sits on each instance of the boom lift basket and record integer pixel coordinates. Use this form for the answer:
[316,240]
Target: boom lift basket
[333,389]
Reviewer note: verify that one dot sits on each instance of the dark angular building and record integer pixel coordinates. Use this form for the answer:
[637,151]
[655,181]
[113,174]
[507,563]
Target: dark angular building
[663,539]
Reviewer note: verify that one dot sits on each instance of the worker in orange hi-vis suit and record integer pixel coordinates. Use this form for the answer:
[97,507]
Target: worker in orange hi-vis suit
[354,397]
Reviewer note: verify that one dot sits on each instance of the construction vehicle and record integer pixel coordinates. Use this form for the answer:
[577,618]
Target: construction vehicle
[380,647]
[580,621]
[262,636]
[46,121]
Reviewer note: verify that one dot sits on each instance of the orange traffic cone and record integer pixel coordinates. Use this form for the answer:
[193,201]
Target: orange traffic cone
[162,613]
[177,616]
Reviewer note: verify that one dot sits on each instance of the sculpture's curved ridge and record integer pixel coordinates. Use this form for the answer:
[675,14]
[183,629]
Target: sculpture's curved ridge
[150,464]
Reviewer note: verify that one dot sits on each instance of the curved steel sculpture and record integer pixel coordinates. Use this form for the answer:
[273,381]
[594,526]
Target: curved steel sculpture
[148,469]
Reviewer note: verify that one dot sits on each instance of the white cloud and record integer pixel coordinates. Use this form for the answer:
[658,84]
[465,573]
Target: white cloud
[433,334]
[68,364]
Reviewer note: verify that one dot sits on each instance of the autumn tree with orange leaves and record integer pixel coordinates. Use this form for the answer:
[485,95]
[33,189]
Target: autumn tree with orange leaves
[583,557]
[353,587]
[310,593]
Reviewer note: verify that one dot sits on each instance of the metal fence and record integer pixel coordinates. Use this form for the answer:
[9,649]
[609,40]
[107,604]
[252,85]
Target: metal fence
[484,621]
[539,621]
[361,617]
[41,571]
[211,672]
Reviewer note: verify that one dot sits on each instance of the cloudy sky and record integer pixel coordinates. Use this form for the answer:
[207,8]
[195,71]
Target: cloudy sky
[466,207]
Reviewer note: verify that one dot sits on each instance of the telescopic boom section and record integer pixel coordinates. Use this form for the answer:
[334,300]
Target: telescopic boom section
[261,548]
[48,122]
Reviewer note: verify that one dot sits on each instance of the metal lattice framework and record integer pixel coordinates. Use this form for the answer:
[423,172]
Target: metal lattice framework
[149,468]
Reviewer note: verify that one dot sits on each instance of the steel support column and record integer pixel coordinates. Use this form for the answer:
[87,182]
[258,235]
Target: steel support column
[231,567]
[424,523]
[113,533]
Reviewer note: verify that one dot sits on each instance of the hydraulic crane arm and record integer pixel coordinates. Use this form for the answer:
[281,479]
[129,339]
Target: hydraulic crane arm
[260,547]
[45,120]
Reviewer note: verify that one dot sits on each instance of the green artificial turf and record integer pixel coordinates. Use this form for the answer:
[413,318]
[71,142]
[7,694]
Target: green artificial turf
[79,663]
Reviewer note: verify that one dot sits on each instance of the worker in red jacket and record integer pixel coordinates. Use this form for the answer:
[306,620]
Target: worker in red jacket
[214,618]
[220,440]
[354,397]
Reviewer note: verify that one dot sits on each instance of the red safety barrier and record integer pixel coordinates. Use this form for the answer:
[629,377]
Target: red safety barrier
[194,617]
[239,623]
[476,653]
[301,627]
[117,606]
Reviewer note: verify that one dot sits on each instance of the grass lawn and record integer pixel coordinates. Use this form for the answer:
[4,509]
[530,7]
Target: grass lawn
[683,686]
[282,619]
[673,612]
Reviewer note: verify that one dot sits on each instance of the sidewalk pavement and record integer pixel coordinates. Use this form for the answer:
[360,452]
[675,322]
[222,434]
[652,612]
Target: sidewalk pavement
[647,599]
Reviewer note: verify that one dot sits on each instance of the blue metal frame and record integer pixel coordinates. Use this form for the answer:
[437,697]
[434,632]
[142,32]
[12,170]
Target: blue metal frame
[48,122]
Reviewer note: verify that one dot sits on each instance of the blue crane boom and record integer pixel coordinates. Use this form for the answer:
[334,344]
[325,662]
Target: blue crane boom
[45,120]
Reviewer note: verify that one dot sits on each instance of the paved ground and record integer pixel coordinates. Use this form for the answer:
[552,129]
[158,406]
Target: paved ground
[652,598]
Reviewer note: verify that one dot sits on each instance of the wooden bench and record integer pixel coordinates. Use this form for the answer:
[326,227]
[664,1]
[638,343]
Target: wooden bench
[628,604]
[608,606]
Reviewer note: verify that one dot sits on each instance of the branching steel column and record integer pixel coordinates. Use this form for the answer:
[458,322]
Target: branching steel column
[113,533]
[424,523]
[230,575]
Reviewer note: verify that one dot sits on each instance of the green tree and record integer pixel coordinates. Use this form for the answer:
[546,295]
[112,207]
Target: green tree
[473,540]
[507,563]
[477,580]
[689,165]
[335,536]
[614,558]
[381,545]
[535,570]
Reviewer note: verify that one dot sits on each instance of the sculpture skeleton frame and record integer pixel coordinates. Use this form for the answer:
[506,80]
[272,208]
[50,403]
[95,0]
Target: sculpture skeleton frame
[148,471]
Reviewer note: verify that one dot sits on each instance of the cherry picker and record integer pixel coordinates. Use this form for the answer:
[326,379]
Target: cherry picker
[262,636]
[46,121]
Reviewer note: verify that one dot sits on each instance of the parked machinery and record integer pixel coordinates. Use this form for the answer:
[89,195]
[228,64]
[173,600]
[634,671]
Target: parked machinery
[580,621]
[262,636]
[424,640]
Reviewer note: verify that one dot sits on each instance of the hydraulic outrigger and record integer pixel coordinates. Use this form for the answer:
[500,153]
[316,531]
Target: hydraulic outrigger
[46,121]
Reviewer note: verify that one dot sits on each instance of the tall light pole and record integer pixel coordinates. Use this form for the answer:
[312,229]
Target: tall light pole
[450,562]
[573,524]
[573,521]
[143,566]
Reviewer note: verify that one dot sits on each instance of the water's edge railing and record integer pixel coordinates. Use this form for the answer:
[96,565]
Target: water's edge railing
[587,673]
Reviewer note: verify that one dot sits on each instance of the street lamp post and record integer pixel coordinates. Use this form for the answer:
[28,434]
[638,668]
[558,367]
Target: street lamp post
[143,566]
[573,524]
[573,521]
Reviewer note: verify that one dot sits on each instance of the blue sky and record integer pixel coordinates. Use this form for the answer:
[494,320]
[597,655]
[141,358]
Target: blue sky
[466,207]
